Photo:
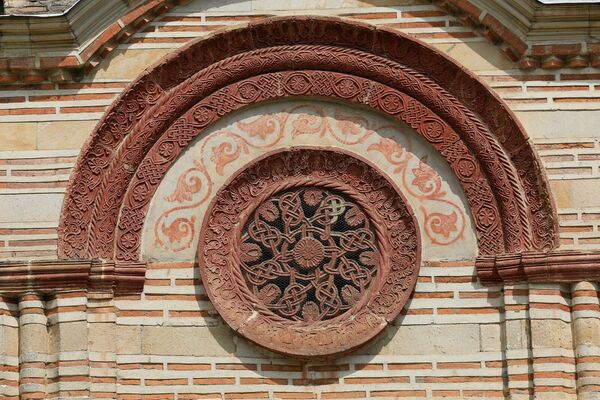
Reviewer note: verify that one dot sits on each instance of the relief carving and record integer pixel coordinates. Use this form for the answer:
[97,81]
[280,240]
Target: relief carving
[309,252]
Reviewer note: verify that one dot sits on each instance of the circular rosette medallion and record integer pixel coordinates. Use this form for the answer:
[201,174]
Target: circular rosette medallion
[309,252]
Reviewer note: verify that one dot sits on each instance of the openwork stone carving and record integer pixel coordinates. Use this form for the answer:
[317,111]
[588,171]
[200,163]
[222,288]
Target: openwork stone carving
[309,252]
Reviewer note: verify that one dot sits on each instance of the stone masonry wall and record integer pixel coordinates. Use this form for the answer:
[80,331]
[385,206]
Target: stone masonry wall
[16,7]
[455,339]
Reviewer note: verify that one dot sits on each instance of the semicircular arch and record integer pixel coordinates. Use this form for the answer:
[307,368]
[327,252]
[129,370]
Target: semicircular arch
[125,158]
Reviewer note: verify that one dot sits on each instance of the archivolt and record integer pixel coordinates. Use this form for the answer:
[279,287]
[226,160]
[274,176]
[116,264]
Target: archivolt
[164,109]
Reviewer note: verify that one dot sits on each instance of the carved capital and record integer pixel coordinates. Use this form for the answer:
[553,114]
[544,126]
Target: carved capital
[539,267]
[52,276]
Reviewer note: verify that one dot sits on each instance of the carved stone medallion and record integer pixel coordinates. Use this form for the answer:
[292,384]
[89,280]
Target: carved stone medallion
[309,252]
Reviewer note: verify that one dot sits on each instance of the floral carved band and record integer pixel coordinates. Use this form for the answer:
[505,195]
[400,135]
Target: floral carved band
[309,252]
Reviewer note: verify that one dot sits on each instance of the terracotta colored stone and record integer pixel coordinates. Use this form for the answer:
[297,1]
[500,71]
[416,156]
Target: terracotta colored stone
[340,218]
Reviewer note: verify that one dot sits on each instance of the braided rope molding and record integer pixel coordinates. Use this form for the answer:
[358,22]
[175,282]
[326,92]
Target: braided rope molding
[424,66]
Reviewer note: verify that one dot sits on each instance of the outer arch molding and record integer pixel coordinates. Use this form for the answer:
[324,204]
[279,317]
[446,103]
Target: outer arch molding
[151,105]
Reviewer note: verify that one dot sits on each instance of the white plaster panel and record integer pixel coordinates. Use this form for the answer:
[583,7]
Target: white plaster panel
[174,220]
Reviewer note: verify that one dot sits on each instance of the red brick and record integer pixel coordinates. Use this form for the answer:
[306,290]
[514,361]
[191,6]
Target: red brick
[398,393]
[188,367]
[56,62]
[343,395]
[214,381]
[394,366]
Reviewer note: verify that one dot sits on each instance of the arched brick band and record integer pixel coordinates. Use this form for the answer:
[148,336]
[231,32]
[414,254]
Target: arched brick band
[477,126]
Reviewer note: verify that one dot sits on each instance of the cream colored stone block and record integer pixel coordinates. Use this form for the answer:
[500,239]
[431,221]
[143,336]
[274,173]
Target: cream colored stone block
[63,134]
[575,193]
[188,341]
[30,207]
[69,336]
[17,136]
[561,193]
[490,337]
[516,335]
[551,334]
[101,337]
[587,331]
[560,124]
[9,341]
[127,64]
[129,339]
[33,338]
[428,339]
[476,56]
[245,348]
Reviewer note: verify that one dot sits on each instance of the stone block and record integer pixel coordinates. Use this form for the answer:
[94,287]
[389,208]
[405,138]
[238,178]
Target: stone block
[551,334]
[587,331]
[101,337]
[127,64]
[516,334]
[490,337]
[428,339]
[129,339]
[17,136]
[575,193]
[9,341]
[31,207]
[476,56]
[187,341]
[33,338]
[63,134]
[560,124]
[69,336]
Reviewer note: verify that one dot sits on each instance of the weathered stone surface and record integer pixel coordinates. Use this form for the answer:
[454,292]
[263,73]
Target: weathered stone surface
[69,336]
[516,334]
[33,338]
[128,339]
[428,339]
[9,340]
[102,337]
[187,341]
[490,337]
[17,136]
[63,134]
[127,64]
[551,334]
[37,6]
[587,331]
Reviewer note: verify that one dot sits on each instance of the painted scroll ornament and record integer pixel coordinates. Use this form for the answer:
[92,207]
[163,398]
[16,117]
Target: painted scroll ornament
[309,252]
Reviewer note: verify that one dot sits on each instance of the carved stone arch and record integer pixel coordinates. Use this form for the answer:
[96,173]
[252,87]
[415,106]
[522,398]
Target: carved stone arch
[165,108]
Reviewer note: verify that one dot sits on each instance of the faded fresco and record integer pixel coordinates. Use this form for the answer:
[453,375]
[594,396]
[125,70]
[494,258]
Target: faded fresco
[175,216]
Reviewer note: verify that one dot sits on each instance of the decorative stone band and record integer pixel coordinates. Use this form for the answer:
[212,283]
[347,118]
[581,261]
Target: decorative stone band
[51,276]
[551,266]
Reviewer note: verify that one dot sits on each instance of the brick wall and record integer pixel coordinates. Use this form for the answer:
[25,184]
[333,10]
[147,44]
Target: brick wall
[455,338]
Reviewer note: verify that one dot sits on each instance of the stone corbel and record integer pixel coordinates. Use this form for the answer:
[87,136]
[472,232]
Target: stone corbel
[540,267]
[52,276]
